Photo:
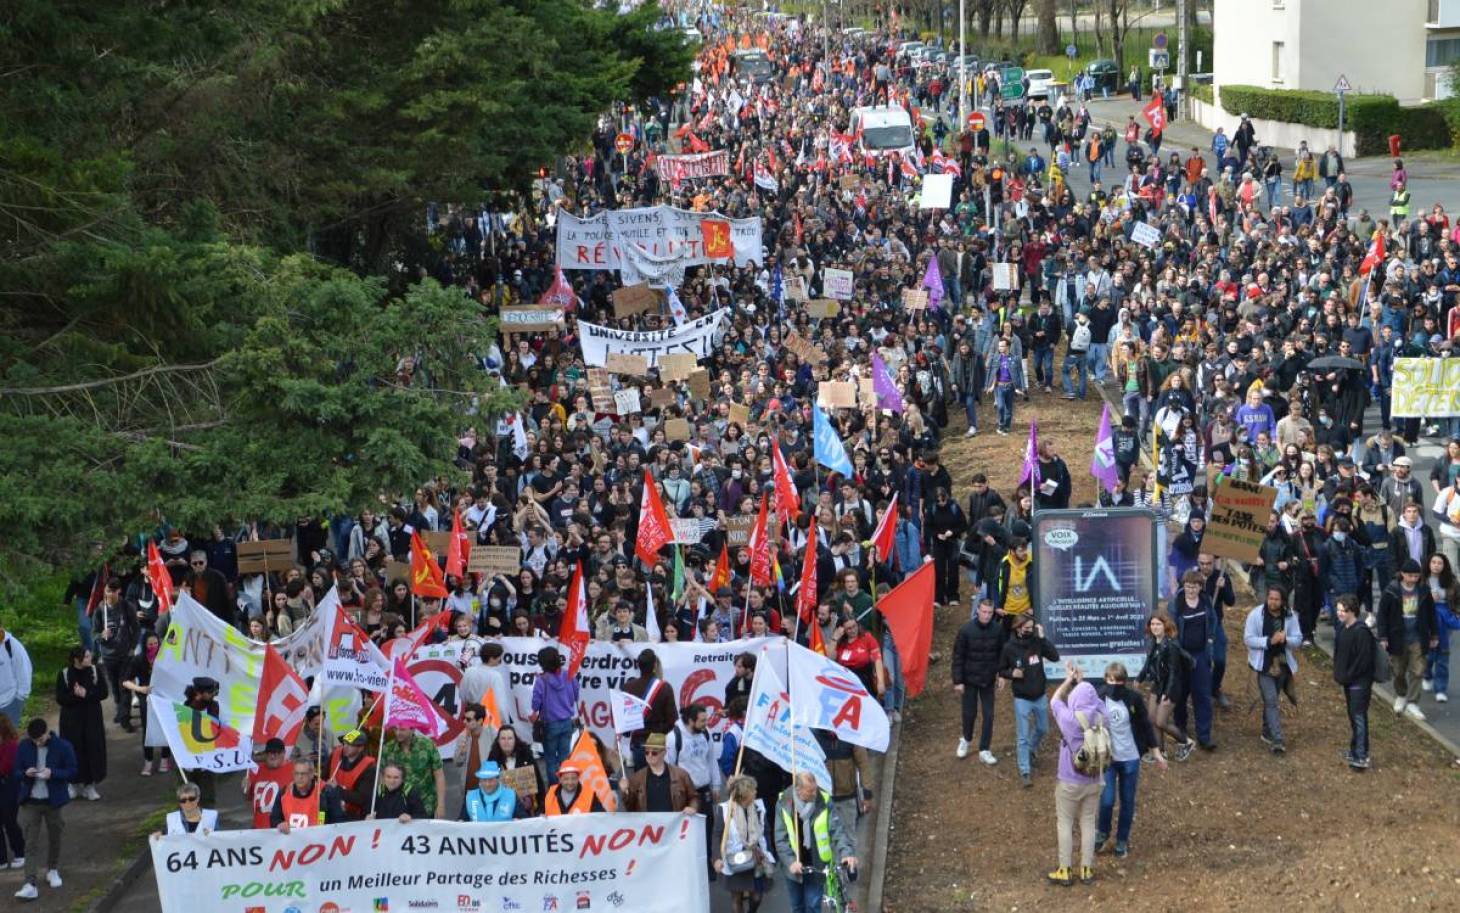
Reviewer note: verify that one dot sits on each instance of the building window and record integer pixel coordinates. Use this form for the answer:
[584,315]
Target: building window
[1434,11]
[1277,61]
[1441,52]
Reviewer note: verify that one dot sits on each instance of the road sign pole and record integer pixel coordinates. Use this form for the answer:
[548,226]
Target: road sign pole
[962,67]
[1183,90]
[1340,119]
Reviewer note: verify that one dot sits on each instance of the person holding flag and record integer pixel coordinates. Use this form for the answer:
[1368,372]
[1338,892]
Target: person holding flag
[413,723]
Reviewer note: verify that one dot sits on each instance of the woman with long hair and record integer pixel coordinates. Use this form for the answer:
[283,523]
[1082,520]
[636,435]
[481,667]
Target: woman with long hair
[139,682]
[511,753]
[739,849]
[1446,592]
[80,689]
[1167,677]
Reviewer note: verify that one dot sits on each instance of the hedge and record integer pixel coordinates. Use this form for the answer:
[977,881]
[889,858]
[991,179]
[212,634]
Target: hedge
[1202,92]
[1372,118]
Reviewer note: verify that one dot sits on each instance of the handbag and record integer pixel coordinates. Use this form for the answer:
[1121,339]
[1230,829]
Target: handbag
[742,860]
[1382,672]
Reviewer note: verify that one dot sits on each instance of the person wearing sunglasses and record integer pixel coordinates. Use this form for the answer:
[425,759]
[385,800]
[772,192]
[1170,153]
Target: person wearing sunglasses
[191,817]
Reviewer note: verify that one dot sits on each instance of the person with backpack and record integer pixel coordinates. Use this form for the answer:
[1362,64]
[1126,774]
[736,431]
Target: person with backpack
[1022,662]
[1272,635]
[1079,713]
[1355,671]
[1167,674]
[1131,738]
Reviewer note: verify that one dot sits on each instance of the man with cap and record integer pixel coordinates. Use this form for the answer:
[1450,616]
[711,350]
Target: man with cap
[1399,486]
[202,695]
[306,802]
[568,797]
[352,772]
[489,800]
[658,786]
[267,781]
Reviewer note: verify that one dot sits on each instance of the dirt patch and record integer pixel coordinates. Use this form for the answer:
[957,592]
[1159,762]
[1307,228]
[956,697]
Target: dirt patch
[1237,829]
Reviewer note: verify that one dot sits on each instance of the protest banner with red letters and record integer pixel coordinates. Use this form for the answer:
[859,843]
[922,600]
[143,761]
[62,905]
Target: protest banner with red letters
[699,165]
[645,863]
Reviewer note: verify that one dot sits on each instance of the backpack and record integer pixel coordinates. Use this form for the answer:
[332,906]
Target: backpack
[1094,754]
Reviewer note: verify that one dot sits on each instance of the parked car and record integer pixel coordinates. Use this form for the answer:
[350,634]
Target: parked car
[1106,74]
[1039,81]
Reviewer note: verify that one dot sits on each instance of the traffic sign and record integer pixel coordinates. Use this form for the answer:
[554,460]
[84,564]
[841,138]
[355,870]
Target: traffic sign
[1159,41]
[624,142]
[1010,91]
[1342,85]
[976,121]
[1158,59]
[1071,51]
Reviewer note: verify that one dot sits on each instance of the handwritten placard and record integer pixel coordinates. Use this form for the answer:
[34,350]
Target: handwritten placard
[677,366]
[634,299]
[915,299]
[739,414]
[687,530]
[622,363]
[838,283]
[795,288]
[1006,277]
[699,385]
[836,394]
[521,780]
[677,429]
[490,560]
[661,397]
[803,349]
[626,401]
[822,308]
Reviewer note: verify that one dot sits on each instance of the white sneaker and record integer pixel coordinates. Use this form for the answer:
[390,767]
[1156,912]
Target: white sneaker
[962,748]
[970,432]
[987,757]
[28,892]
[1442,698]
[90,793]
[1399,703]
[1426,685]
[74,790]
[53,878]
[18,862]
[1413,712]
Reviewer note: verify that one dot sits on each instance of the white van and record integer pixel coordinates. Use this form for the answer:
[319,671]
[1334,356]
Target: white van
[883,130]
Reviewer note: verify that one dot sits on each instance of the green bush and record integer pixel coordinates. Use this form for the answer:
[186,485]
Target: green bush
[1202,92]
[1372,118]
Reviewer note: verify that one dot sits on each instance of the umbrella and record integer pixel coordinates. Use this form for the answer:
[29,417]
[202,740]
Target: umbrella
[1334,361]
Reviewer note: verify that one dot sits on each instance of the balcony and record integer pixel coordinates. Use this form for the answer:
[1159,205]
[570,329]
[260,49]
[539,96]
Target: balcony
[1443,14]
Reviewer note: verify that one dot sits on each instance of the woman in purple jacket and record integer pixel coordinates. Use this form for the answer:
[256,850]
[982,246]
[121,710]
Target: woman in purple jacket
[1075,794]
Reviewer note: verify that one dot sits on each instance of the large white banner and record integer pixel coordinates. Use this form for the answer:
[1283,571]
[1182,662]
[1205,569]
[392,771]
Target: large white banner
[664,232]
[635,863]
[695,337]
[1426,388]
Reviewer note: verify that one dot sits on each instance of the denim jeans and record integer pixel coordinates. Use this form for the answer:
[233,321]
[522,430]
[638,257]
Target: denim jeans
[970,408]
[806,894]
[557,744]
[1095,170]
[1272,724]
[1097,359]
[1026,745]
[1004,402]
[83,624]
[1044,366]
[1356,699]
[1274,190]
[1219,659]
[1437,669]
[1078,364]
[1123,776]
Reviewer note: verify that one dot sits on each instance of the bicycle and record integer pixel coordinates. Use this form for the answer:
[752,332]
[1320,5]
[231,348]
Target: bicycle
[834,899]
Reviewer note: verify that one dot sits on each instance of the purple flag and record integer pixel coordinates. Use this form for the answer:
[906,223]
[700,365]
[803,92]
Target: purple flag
[933,282]
[1102,464]
[1031,457]
[882,385]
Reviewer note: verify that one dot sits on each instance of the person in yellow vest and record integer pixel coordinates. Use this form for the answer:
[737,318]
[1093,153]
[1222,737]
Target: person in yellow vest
[1399,203]
[1014,593]
[306,803]
[568,797]
[352,773]
[810,839]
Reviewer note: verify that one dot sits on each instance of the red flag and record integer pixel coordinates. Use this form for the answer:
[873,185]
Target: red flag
[98,588]
[721,576]
[560,293]
[715,233]
[426,578]
[697,145]
[815,642]
[160,579]
[882,539]
[1375,254]
[283,700]
[760,548]
[441,621]
[788,504]
[654,531]
[806,595]
[908,609]
[574,632]
[459,551]
[1155,114]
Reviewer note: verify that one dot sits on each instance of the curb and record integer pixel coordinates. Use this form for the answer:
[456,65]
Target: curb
[124,880]
[878,864]
[1384,691]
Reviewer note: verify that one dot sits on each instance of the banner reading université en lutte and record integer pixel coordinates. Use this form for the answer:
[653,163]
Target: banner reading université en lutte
[636,863]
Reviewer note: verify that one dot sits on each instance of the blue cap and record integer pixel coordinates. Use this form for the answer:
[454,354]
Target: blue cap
[489,771]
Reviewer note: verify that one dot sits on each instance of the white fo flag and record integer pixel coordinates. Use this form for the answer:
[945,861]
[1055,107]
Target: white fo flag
[628,711]
[769,728]
[826,695]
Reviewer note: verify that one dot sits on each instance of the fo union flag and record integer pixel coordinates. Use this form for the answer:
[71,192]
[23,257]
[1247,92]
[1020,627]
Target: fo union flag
[716,236]
[826,695]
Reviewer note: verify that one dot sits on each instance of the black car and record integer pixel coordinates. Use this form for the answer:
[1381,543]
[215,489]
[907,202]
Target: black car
[1106,74]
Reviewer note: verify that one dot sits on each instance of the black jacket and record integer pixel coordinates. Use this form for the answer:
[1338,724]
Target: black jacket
[976,653]
[1391,617]
[1027,655]
[1167,669]
[1056,470]
[1353,655]
[945,518]
[1050,325]
[393,804]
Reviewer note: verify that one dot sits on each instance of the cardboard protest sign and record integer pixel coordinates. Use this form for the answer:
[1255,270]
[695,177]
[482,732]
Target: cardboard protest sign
[265,556]
[634,299]
[866,391]
[838,283]
[521,780]
[1006,277]
[822,308]
[915,299]
[739,414]
[836,394]
[398,570]
[661,397]
[677,429]
[737,530]
[686,530]
[699,385]
[600,388]
[620,363]
[494,559]
[530,319]
[1239,519]
[795,288]
[804,349]
[437,542]
[676,366]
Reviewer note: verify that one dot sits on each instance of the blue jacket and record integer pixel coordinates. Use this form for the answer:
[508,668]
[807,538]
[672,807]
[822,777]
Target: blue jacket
[907,544]
[1176,608]
[1341,564]
[498,805]
[60,758]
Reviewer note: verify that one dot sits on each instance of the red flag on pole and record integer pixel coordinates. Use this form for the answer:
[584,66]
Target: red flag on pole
[1375,254]
[721,576]
[560,293]
[159,579]
[426,577]
[760,548]
[1155,114]
[574,632]
[908,609]
[283,701]
[788,503]
[882,539]
[806,595]
[815,642]
[458,552]
[654,531]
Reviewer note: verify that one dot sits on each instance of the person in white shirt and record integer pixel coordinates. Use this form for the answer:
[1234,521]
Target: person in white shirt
[16,672]
[690,748]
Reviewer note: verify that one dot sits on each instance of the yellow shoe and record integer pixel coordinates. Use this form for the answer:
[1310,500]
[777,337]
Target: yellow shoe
[1061,876]
[1087,875]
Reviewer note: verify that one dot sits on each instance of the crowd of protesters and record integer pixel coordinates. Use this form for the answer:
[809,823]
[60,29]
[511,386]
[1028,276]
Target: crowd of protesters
[1247,341]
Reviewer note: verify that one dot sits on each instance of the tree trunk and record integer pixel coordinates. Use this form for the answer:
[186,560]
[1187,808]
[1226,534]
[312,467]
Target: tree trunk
[985,12]
[999,21]
[1048,40]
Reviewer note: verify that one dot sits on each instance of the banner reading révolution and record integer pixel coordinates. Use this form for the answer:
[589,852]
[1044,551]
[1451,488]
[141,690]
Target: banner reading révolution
[661,232]
[630,862]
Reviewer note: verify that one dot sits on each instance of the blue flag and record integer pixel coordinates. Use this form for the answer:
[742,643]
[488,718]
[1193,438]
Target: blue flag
[830,452]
